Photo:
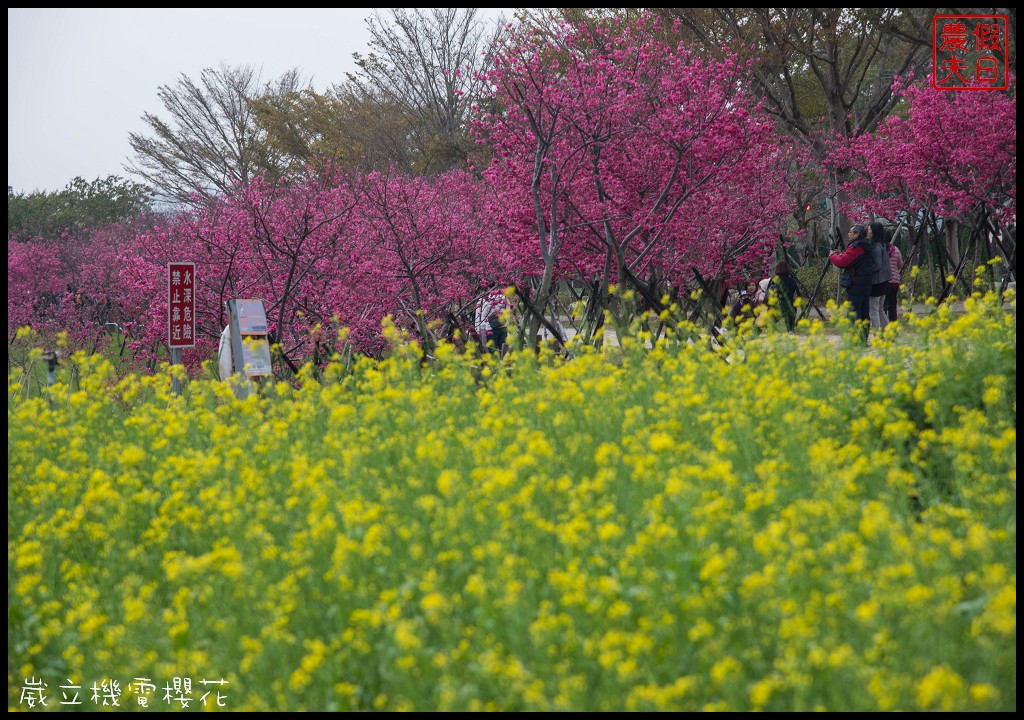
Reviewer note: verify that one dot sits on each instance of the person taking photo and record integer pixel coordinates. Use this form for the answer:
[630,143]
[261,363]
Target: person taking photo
[857,275]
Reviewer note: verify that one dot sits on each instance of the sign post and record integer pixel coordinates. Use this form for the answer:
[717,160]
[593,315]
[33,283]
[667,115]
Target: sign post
[181,312]
[250,348]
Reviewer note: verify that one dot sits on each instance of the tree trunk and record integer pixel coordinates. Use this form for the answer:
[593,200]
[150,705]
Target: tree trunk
[952,242]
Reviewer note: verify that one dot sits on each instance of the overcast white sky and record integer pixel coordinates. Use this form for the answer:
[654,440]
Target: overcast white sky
[79,80]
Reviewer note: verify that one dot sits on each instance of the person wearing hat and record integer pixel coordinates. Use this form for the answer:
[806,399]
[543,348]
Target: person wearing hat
[743,308]
[857,274]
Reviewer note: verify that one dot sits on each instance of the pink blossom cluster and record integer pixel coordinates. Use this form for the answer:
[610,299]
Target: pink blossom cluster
[949,153]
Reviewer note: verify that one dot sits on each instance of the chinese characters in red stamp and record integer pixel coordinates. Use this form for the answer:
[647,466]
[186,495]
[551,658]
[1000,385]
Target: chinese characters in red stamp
[970,52]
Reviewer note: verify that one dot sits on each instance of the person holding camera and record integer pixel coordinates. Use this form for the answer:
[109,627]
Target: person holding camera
[857,275]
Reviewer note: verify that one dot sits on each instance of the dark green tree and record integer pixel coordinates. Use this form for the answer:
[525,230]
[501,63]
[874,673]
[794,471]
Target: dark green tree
[79,206]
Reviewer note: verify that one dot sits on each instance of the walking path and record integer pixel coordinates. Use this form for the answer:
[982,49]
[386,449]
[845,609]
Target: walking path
[612,340]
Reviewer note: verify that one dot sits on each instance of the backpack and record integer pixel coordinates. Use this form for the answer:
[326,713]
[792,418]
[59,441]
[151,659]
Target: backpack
[880,259]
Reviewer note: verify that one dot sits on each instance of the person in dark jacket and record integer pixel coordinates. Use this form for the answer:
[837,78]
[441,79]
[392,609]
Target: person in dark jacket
[782,291]
[880,279]
[857,274]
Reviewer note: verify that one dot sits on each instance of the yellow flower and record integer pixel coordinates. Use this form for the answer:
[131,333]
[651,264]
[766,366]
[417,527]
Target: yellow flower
[134,609]
[432,602]
[701,629]
[919,594]
[761,693]
[1000,612]
[867,610]
[405,635]
[942,689]
[661,442]
[725,669]
[982,693]
[609,531]
[446,481]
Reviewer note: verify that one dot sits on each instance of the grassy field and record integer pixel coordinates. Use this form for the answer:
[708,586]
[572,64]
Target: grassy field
[809,526]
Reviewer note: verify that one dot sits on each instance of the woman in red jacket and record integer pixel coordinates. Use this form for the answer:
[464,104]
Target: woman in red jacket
[858,270]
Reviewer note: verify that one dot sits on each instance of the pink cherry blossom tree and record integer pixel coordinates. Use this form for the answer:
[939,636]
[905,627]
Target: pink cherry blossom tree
[283,244]
[328,253]
[951,155]
[70,284]
[425,244]
[274,243]
[34,285]
[621,157]
[953,152]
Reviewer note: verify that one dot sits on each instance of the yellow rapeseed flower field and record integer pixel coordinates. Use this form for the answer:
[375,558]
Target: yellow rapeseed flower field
[794,522]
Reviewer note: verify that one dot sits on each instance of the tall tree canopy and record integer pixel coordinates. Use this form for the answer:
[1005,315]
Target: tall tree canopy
[427,64]
[211,141]
[822,72]
[406,107]
[953,156]
[337,129]
[953,153]
[819,69]
[622,156]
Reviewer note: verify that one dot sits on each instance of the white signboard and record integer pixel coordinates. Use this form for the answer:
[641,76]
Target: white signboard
[252,320]
[256,356]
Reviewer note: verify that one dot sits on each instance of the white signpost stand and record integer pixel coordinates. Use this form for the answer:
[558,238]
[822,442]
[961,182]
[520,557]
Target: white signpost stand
[250,348]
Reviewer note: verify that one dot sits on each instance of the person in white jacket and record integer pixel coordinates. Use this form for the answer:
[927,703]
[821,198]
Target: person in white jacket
[224,360]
